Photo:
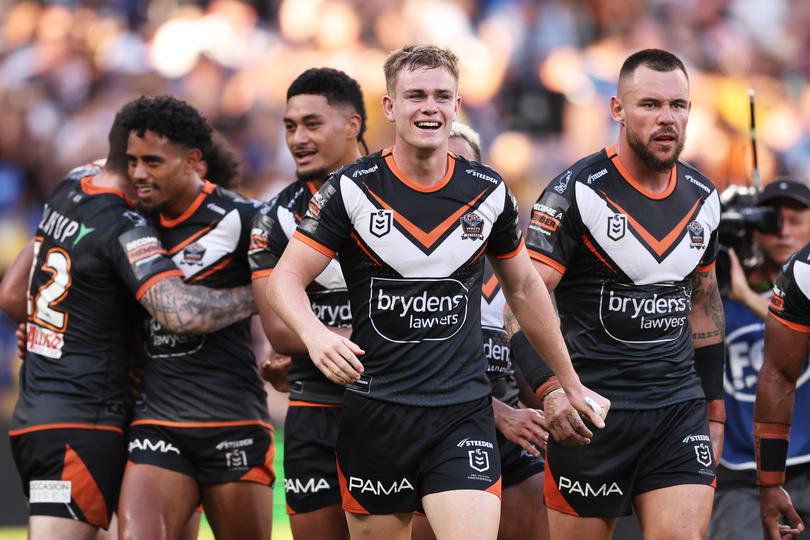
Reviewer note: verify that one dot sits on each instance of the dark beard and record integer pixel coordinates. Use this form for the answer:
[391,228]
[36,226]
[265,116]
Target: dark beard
[317,174]
[151,211]
[649,159]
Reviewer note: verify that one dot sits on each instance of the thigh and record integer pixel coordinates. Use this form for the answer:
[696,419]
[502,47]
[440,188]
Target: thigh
[239,510]
[327,523]
[675,512]
[565,526]
[375,527]
[71,473]
[523,514]
[49,527]
[379,449]
[735,515]
[462,514]
[310,469]
[156,502]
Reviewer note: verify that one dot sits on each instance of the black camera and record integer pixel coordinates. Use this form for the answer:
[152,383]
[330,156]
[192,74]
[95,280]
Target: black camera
[740,218]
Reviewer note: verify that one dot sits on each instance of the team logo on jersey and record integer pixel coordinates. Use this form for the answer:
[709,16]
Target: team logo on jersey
[616,226]
[380,223]
[704,454]
[472,226]
[562,185]
[193,254]
[696,235]
[479,460]
[135,218]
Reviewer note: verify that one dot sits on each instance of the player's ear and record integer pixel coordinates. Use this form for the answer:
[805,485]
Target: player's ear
[388,107]
[353,124]
[193,158]
[617,110]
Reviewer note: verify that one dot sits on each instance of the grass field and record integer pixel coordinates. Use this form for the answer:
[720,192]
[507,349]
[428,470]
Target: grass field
[281,523]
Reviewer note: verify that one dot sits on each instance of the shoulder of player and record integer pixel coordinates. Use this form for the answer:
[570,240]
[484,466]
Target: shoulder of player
[695,178]
[588,170]
[476,171]
[358,170]
[221,201]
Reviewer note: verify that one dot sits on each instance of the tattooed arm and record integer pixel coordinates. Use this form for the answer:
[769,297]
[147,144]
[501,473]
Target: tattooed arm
[187,309]
[708,325]
[706,318]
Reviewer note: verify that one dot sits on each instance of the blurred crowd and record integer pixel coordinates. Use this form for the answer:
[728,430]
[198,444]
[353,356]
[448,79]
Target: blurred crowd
[536,79]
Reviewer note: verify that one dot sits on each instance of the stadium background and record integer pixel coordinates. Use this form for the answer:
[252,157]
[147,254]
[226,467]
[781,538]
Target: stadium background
[536,77]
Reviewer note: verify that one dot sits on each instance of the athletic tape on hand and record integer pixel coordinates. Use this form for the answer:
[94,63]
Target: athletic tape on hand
[594,405]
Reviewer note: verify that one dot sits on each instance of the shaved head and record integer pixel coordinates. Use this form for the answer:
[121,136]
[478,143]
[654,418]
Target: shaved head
[654,59]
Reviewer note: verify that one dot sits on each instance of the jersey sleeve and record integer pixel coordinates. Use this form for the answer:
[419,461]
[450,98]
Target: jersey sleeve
[138,255]
[505,240]
[555,228]
[267,241]
[327,224]
[790,300]
[713,247]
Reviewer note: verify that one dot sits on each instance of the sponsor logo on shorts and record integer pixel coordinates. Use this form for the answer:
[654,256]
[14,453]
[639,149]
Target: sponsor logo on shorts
[596,176]
[380,222]
[562,184]
[49,491]
[479,459]
[147,445]
[472,226]
[616,226]
[362,172]
[586,489]
[416,310]
[234,444]
[312,485]
[193,254]
[697,238]
[379,487]
[696,438]
[473,172]
[703,453]
[481,444]
[644,315]
[43,341]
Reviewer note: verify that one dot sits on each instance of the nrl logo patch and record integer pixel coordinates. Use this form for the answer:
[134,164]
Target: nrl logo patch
[703,454]
[380,222]
[696,236]
[616,226]
[479,460]
[472,226]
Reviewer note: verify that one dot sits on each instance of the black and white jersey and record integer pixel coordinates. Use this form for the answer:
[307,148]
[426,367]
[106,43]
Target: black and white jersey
[628,257]
[496,340]
[790,300]
[205,378]
[272,229]
[92,254]
[413,261]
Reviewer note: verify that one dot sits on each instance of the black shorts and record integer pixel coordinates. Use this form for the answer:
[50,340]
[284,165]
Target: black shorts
[71,473]
[636,452]
[310,470]
[517,464]
[390,456]
[216,454]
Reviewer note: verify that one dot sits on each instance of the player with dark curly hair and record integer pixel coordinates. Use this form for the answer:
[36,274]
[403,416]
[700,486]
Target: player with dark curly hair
[93,253]
[324,121]
[201,429]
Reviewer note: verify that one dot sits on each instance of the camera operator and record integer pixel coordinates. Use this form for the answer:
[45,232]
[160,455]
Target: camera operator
[736,507]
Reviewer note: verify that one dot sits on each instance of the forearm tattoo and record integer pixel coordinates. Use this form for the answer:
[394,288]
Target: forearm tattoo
[709,305]
[187,309]
[510,322]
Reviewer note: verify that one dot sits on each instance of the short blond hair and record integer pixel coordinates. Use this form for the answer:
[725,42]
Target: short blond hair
[463,131]
[418,56]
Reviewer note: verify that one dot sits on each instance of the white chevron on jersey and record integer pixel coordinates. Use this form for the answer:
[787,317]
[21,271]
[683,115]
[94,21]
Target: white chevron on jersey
[801,273]
[631,255]
[218,243]
[332,276]
[492,310]
[399,251]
